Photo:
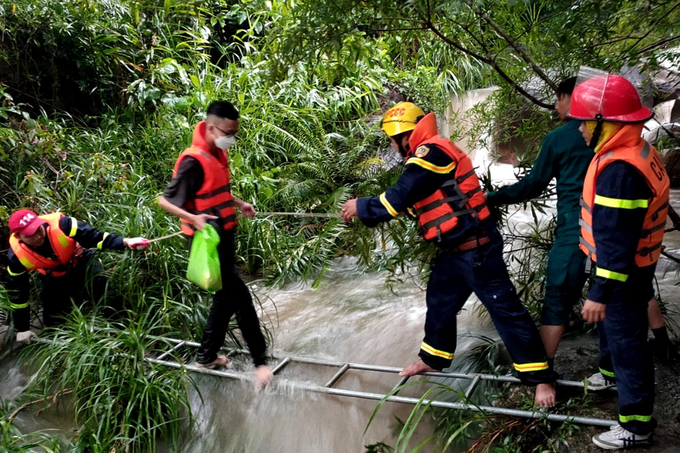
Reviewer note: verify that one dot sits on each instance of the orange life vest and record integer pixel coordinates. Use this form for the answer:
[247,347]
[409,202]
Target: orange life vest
[214,197]
[459,196]
[648,162]
[66,249]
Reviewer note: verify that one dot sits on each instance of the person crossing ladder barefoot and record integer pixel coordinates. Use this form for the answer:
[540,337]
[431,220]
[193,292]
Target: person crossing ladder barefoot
[442,190]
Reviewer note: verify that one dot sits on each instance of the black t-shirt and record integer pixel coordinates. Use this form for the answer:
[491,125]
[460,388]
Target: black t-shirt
[186,183]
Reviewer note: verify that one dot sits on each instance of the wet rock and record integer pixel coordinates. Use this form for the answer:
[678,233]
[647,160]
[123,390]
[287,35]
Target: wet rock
[666,138]
[665,131]
[666,264]
[671,160]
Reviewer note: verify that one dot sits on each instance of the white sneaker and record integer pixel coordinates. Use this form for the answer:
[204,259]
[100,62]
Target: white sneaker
[618,438]
[599,381]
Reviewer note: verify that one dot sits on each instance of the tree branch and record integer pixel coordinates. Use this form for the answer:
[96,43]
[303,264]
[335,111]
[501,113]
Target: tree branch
[658,44]
[515,46]
[366,28]
[652,26]
[491,63]
[40,400]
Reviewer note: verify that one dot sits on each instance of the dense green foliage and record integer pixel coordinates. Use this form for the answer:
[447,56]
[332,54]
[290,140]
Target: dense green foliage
[98,98]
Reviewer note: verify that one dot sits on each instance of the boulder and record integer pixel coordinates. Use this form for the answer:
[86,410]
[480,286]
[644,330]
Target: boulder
[671,160]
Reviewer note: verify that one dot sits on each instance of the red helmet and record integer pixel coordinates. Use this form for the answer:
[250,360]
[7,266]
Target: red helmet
[608,97]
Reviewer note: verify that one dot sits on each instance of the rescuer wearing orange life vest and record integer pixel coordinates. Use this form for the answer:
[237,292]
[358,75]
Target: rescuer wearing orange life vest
[199,193]
[55,246]
[442,188]
[623,216]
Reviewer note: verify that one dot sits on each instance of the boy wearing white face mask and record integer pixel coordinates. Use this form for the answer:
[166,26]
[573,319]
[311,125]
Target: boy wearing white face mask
[200,192]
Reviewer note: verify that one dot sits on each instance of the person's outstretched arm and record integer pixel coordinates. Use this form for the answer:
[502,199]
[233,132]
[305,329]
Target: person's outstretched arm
[422,176]
[533,184]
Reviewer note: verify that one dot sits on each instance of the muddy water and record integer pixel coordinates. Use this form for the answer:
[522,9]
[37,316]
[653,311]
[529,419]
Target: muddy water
[351,317]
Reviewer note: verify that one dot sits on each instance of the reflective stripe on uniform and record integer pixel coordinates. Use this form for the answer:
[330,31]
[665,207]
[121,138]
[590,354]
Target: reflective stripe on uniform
[634,418]
[100,244]
[590,248]
[18,306]
[14,274]
[74,228]
[620,203]
[430,166]
[63,240]
[645,151]
[436,352]
[611,275]
[524,367]
[26,263]
[383,199]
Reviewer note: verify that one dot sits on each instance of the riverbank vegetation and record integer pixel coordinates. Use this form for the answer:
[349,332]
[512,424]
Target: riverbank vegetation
[97,99]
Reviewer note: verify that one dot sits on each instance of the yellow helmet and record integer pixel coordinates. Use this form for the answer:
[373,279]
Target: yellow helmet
[401,118]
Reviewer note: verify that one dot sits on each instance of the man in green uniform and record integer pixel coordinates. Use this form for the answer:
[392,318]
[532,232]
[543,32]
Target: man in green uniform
[564,156]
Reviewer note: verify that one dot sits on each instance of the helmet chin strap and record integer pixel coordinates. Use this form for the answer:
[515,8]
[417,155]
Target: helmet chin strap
[597,132]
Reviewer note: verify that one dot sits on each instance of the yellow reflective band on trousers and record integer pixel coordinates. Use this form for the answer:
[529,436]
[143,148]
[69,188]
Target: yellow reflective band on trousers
[524,367]
[430,166]
[74,227]
[621,203]
[388,206]
[100,244]
[634,418]
[607,373]
[14,274]
[18,306]
[611,275]
[436,352]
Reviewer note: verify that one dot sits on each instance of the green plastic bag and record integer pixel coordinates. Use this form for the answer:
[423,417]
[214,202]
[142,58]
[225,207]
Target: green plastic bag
[204,261]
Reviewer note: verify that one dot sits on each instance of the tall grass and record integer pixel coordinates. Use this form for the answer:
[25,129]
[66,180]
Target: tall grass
[14,441]
[121,402]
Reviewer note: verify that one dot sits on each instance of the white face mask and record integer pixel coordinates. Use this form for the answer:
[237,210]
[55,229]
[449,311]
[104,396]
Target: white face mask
[225,142]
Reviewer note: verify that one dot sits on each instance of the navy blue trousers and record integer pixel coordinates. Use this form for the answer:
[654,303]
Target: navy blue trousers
[455,276]
[625,353]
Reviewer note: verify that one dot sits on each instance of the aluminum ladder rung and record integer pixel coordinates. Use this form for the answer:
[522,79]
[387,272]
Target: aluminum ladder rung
[460,405]
[404,400]
[337,375]
[401,382]
[472,387]
[385,369]
[170,351]
[281,365]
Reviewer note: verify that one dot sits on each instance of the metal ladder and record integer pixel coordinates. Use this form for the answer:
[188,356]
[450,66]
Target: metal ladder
[329,389]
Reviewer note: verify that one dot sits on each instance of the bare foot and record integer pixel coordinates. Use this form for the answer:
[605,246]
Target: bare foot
[417,367]
[545,395]
[220,362]
[264,375]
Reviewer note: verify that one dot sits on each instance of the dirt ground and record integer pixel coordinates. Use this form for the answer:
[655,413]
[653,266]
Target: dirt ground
[577,359]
